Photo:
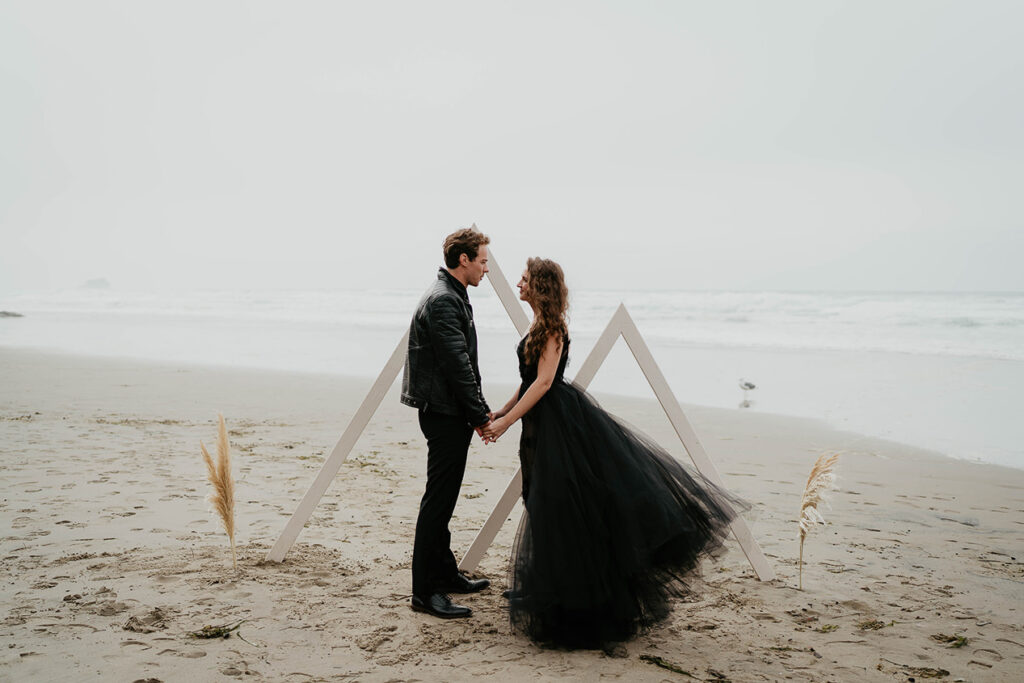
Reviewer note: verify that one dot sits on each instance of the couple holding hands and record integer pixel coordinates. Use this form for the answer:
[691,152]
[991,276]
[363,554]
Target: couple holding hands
[612,523]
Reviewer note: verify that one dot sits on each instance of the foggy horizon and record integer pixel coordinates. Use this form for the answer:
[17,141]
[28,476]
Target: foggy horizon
[484,285]
[793,147]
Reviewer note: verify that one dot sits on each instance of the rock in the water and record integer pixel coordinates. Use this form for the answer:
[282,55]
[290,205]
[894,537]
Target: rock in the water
[10,314]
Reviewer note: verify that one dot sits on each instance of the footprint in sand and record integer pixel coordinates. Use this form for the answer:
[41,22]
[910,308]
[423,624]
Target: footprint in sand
[1012,642]
[234,671]
[985,653]
[190,654]
[373,640]
[20,522]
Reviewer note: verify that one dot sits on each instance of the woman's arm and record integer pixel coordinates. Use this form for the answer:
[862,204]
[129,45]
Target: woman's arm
[546,369]
[507,407]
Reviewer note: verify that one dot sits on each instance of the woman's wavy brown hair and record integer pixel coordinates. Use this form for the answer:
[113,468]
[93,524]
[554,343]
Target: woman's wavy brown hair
[550,298]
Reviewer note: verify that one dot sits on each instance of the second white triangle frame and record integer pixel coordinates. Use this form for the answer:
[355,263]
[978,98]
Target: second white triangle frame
[621,324]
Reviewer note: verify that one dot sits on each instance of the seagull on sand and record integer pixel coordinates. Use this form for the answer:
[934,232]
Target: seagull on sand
[746,386]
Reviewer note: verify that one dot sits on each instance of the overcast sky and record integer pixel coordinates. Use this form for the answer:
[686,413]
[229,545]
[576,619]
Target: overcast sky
[695,145]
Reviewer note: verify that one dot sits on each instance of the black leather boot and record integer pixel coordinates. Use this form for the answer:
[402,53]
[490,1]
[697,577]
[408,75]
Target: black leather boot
[440,605]
[460,583]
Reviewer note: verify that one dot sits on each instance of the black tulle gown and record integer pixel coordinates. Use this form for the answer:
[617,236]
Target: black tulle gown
[612,525]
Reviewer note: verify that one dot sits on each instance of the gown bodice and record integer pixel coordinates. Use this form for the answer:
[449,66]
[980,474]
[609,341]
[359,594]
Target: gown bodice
[528,371]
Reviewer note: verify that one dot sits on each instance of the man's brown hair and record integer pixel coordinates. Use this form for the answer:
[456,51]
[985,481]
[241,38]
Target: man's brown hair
[466,241]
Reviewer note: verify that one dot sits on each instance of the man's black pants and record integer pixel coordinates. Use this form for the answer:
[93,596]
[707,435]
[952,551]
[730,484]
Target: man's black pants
[433,563]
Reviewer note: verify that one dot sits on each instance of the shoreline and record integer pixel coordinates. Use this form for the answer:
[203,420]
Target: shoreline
[497,390]
[934,373]
[104,494]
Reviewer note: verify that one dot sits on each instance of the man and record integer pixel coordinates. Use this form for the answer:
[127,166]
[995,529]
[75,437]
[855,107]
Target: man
[442,380]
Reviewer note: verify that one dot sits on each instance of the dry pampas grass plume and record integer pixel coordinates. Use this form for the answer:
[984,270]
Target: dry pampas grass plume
[222,498]
[821,481]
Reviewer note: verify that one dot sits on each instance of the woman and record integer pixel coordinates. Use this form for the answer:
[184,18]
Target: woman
[613,524]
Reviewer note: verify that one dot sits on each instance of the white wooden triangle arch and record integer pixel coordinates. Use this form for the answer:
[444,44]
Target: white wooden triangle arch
[369,406]
[621,324]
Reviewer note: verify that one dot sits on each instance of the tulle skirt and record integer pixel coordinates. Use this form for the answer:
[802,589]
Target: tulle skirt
[612,526]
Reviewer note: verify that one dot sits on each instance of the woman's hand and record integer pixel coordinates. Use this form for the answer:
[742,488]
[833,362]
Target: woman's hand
[495,429]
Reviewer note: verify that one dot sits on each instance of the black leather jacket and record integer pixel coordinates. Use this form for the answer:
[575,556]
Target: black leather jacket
[441,370]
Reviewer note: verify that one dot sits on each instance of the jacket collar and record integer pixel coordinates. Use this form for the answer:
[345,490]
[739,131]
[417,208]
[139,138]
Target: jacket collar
[443,273]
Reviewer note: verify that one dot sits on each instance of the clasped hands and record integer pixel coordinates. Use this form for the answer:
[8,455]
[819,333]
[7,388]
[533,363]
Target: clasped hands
[495,427]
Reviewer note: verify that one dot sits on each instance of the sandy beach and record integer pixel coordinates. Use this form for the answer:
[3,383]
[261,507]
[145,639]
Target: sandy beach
[111,556]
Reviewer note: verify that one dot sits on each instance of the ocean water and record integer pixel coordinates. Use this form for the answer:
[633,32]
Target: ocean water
[936,370]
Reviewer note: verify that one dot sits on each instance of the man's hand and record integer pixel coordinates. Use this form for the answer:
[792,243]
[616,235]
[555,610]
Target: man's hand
[481,428]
